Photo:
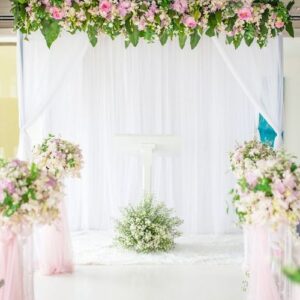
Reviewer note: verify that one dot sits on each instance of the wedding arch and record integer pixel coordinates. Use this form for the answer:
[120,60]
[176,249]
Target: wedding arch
[210,97]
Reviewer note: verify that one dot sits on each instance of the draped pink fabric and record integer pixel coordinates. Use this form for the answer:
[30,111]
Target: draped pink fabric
[55,255]
[11,266]
[262,285]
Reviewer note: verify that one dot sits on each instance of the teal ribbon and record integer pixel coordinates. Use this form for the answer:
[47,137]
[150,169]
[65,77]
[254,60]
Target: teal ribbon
[266,132]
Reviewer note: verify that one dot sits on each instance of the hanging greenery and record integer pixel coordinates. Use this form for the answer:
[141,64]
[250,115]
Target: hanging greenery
[161,20]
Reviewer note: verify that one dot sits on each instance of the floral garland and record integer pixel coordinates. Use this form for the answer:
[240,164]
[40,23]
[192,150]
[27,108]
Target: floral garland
[268,186]
[152,20]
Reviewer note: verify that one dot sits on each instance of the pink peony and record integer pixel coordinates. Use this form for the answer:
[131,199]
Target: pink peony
[105,8]
[124,8]
[56,13]
[189,22]
[180,6]
[245,13]
[279,24]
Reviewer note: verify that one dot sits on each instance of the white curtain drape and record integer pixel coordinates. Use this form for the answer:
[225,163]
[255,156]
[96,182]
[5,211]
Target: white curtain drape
[260,75]
[97,93]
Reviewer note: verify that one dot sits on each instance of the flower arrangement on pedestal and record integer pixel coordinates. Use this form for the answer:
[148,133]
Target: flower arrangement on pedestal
[268,186]
[59,157]
[28,195]
[62,159]
[267,202]
[147,227]
[156,19]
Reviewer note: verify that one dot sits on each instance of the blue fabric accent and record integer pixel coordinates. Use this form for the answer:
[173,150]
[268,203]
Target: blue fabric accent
[266,132]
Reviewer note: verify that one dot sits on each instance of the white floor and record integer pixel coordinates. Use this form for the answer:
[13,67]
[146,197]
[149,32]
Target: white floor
[136,282]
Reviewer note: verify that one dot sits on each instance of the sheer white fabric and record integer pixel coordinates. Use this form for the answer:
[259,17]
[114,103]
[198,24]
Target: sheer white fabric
[108,90]
[259,73]
[41,73]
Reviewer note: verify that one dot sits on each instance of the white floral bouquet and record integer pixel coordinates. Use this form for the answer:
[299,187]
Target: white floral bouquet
[28,195]
[247,155]
[148,227]
[59,157]
[268,190]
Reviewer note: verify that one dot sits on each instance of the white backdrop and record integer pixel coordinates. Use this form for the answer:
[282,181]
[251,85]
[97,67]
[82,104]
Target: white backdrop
[88,95]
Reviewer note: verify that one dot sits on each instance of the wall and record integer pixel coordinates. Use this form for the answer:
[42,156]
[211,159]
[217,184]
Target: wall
[8,100]
[292,94]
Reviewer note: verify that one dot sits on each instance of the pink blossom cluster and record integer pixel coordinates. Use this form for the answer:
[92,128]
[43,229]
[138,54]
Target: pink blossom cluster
[59,157]
[113,16]
[268,186]
[28,196]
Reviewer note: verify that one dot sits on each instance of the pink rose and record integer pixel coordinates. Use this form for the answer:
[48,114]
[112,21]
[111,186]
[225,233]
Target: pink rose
[105,8]
[56,13]
[279,24]
[124,8]
[180,6]
[189,22]
[245,13]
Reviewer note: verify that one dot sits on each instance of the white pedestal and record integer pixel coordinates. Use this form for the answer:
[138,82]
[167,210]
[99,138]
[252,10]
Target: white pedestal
[146,146]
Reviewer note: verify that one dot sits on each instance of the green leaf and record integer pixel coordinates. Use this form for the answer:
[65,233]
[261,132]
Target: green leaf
[92,34]
[237,40]
[264,186]
[219,16]
[249,34]
[290,5]
[134,36]
[229,39]
[292,273]
[22,1]
[293,167]
[195,38]
[127,43]
[163,37]
[50,30]
[210,32]
[290,29]
[182,39]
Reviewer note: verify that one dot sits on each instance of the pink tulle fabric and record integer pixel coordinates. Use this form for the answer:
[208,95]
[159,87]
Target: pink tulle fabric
[11,267]
[262,285]
[55,255]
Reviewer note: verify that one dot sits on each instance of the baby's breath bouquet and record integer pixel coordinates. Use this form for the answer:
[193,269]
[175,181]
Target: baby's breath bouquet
[147,227]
